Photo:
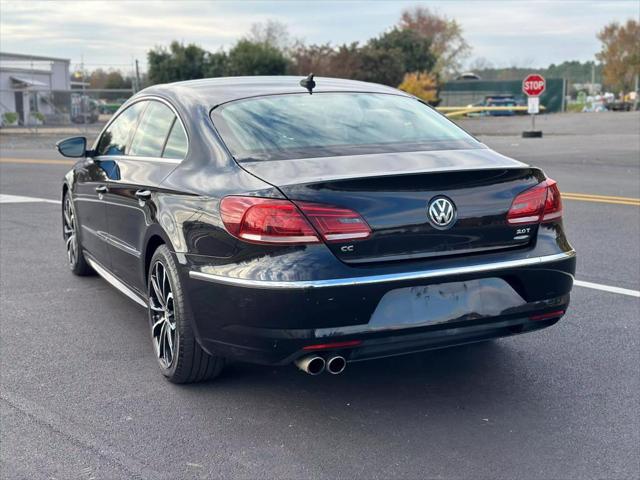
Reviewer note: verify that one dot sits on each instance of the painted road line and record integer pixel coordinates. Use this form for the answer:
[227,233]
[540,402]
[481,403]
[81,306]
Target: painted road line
[607,288]
[597,200]
[35,161]
[607,197]
[585,197]
[4,198]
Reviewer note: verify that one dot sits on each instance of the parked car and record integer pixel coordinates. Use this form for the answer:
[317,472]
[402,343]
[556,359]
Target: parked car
[110,107]
[501,101]
[319,223]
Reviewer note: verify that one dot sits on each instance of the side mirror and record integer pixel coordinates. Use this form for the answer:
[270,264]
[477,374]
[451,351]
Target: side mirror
[74,147]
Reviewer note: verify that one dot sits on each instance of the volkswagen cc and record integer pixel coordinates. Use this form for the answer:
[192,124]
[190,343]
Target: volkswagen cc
[315,222]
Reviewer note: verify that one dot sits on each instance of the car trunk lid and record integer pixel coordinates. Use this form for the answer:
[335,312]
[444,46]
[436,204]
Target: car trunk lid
[393,193]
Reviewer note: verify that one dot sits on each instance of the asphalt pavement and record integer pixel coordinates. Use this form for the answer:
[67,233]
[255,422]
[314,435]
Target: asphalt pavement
[81,396]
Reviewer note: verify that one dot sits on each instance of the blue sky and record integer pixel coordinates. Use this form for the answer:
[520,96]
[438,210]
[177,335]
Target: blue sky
[527,33]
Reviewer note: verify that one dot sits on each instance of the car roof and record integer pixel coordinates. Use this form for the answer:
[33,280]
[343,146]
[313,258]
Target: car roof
[216,91]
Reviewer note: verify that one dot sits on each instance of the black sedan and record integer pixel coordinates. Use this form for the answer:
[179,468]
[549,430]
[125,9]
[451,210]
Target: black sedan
[316,222]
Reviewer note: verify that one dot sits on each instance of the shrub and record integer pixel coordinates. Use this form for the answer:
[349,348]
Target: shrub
[423,85]
[9,118]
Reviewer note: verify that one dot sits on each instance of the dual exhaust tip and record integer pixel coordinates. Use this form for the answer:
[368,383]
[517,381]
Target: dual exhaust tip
[315,365]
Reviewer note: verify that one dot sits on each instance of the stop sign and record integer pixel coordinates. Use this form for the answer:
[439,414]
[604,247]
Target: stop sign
[533,85]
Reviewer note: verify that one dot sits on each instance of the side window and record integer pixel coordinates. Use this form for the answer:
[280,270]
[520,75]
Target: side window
[176,146]
[152,131]
[114,139]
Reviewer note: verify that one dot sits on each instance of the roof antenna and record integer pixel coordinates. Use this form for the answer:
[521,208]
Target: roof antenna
[308,83]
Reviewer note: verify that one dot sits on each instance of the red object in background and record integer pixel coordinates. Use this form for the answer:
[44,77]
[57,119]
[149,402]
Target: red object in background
[533,85]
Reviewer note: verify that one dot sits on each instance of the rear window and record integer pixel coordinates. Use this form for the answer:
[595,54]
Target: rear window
[333,124]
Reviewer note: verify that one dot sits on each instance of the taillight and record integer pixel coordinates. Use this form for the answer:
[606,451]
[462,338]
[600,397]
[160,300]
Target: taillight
[539,203]
[553,204]
[265,220]
[335,224]
[275,221]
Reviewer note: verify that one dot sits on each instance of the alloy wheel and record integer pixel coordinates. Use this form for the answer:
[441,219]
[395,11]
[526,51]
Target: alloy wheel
[162,314]
[69,230]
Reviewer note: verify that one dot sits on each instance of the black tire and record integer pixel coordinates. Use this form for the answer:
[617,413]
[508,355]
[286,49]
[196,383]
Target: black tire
[180,356]
[70,227]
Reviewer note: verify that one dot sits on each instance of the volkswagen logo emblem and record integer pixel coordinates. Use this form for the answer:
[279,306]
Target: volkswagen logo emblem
[442,212]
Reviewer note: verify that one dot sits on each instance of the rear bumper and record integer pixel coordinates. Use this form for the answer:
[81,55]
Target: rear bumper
[271,321]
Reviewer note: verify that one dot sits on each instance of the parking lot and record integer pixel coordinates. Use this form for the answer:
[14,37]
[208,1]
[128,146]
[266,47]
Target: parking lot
[81,395]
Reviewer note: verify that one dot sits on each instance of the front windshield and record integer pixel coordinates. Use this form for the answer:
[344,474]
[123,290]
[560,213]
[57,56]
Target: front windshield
[291,126]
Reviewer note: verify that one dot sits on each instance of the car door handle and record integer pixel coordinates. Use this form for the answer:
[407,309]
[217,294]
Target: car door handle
[143,194]
[102,189]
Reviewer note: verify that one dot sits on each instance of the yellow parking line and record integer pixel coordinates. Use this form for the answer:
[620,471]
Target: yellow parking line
[583,197]
[37,161]
[606,197]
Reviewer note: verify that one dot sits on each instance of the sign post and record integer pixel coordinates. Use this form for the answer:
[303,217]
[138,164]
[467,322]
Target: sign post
[533,85]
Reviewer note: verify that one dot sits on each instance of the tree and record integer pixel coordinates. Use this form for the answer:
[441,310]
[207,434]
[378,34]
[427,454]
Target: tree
[620,54]
[346,62]
[368,63]
[380,66]
[414,48]
[445,35]
[422,85]
[317,59]
[178,62]
[250,58]
[112,79]
[217,64]
[97,78]
[480,63]
[272,33]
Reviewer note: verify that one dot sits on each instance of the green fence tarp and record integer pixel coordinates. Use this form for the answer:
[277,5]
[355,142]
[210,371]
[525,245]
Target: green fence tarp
[465,92]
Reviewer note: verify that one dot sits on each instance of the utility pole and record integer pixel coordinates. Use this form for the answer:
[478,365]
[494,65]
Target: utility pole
[137,76]
[84,104]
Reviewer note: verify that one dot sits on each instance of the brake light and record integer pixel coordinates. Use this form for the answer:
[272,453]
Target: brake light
[335,224]
[266,220]
[539,203]
[275,221]
[553,204]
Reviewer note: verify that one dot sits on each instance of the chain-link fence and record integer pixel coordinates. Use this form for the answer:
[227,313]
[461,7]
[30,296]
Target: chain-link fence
[480,92]
[33,107]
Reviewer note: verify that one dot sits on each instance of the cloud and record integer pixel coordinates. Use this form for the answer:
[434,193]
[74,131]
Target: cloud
[115,32]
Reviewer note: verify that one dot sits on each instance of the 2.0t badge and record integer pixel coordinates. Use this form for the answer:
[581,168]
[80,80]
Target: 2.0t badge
[442,212]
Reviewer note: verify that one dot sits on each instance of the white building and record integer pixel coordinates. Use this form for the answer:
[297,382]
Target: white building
[34,87]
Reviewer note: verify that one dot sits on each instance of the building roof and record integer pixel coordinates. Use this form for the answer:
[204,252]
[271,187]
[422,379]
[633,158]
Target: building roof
[39,58]
[216,91]
[28,82]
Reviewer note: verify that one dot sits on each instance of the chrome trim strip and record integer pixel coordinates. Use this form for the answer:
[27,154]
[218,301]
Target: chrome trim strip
[110,278]
[111,240]
[391,277]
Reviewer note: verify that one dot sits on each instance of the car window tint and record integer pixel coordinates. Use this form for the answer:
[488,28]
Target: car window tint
[115,138]
[333,124]
[177,143]
[152,131]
